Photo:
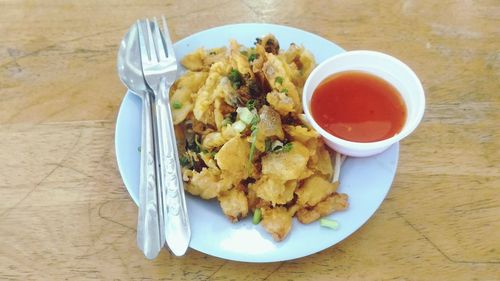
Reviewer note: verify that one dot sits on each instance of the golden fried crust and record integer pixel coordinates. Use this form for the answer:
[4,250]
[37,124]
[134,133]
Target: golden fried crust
[234,204]
[274,190]
[334,202]
[207,184]
[286,166]
[232,158]
[314,190]
[277,222]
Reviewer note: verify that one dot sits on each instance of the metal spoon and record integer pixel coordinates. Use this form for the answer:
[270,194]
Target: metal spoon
[150,233]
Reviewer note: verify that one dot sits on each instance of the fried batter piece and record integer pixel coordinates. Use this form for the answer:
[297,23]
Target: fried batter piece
[274,190]
[270,44]
[286,166]
[182,92]
[277,222]
[208,183]
[275,70]
[232,158]
[334,202]
[314,190]
[201,60]
[281,102]
[324,161]
[234,204]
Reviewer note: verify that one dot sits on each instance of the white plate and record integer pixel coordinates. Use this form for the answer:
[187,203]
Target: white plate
[366,180]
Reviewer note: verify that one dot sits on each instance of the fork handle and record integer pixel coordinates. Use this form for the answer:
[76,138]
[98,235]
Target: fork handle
[149,237]
[176,222]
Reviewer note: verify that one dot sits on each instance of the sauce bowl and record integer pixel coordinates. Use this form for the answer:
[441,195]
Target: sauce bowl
[379,64]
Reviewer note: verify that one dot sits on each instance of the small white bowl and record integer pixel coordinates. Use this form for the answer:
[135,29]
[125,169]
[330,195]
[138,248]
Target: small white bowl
[379,64]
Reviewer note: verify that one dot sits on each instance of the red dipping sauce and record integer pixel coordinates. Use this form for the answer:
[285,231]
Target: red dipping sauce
[358,106]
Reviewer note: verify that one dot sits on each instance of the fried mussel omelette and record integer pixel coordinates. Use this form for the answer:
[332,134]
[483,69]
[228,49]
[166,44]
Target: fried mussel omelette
[243,138]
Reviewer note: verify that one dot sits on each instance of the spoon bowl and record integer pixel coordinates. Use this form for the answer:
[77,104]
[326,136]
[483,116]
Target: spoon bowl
[129,63]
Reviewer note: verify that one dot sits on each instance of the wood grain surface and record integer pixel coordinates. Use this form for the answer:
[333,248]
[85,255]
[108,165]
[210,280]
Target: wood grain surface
[64,212]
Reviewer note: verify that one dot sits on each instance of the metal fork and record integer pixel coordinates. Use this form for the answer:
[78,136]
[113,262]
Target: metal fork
[160,69]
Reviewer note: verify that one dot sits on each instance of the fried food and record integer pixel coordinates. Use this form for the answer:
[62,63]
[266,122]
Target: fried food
[334,202]
[244,139]
[314,190]
[286,166]
[276,221]
[234,204]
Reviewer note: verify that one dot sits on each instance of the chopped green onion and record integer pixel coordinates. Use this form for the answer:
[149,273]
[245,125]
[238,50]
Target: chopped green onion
[333,224]
[239,126]
[252,57]
[284,90]
[267,144]
[276,145]
[287,147]
[198,147]
[226,121]
[257,216]
[176,105]
[250,104]
[245,115]
[278,80]
[184,160]
[252,146]
[235,78]
[255,121]
[196,141]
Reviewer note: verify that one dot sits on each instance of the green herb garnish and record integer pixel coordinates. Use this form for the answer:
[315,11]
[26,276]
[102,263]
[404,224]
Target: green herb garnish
[333,224]
[284,90]
[198,148]
[287,147]
[235,78]
[184,160]
[277,146]
[252,146]
[255,130]
[255,121]
[226,121]
[245,115]
[176,105]
[250,104]
[267,144]
[252,57]
[278,80]
[257,216]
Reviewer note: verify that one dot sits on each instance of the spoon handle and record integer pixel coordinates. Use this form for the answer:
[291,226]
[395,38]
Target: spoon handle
[149,233]
[176,222]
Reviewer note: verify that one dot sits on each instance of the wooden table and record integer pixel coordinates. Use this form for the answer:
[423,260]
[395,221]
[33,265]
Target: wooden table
[64,212]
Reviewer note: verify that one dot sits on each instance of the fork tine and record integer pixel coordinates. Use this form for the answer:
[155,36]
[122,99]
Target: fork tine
[162,55]
[152,47]
[168,41]
[142,44]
